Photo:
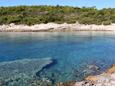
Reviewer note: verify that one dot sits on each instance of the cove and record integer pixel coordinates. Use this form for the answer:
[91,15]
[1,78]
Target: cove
[74,52]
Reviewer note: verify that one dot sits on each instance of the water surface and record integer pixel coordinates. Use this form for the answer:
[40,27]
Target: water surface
[72,51]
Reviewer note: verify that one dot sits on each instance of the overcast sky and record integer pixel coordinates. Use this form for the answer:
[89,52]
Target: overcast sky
[80,3]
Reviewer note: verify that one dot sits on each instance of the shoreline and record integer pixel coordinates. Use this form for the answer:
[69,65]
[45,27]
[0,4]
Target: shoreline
[106,78]
[53,27]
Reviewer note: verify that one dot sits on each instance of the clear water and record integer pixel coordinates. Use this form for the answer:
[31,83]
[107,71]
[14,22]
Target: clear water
[73,51]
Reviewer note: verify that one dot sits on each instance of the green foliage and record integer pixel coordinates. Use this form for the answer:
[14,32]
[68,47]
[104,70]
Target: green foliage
[107,22]
[59,14]
[87,20]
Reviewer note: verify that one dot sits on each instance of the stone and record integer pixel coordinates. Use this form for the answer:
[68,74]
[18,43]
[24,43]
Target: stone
[66,84]
[105,79]
[91,69]
[111,70]
[23,72]
[91,78]
[25,66]
[56,27]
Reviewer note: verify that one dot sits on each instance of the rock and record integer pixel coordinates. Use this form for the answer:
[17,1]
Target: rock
[23,72]
[91,69]
[91,78]
[105,79]
[43,82]
[56,27]
[2,82]
[25,66]
[66,84]
[111,70]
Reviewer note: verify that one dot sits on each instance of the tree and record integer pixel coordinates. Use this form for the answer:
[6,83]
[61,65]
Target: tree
[43,14]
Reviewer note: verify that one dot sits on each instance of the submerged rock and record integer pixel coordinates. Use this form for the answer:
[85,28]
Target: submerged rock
[91,69]
[26,66]
[42,82]
[105,79]
[23,72]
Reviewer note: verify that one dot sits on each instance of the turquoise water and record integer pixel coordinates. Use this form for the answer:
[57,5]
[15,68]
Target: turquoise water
[72,51]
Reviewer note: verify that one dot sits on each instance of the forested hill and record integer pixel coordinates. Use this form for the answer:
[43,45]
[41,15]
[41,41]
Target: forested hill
[59,14]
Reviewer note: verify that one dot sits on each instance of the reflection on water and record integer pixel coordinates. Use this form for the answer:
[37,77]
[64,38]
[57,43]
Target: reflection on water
[53,34]
[73,51]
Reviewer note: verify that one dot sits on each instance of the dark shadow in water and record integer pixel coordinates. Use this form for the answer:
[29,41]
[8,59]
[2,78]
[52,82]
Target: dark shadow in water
[54,61]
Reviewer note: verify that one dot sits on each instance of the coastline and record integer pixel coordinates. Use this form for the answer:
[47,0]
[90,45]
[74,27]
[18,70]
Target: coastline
[53,27]
[107,78]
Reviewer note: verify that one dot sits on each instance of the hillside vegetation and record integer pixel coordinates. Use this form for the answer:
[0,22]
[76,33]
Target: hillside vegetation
[59,14]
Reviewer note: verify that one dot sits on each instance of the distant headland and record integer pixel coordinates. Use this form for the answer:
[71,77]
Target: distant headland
[56,18]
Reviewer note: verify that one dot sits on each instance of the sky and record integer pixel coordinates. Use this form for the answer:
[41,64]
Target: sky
[79,3]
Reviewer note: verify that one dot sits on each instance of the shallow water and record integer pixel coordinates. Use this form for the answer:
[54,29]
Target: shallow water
[72,51]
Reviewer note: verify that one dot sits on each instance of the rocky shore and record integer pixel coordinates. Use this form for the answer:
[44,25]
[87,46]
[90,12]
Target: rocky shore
[105,79]
[55,27]
[24,73]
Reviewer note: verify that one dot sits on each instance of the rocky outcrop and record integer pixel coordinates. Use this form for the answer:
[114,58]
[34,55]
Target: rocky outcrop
[56,27]
[105,79]
[111,70]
